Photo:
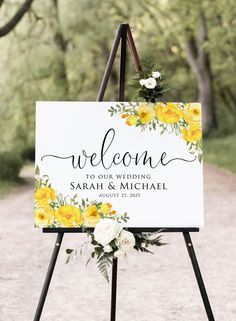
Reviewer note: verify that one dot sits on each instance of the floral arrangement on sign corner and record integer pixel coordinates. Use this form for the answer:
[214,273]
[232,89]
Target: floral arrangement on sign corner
[103,225]
[182,119]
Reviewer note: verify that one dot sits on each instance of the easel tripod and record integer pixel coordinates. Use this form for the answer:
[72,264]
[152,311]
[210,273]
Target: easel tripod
[123,35]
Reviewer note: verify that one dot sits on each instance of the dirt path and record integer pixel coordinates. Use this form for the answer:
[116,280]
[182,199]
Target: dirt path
[150,287]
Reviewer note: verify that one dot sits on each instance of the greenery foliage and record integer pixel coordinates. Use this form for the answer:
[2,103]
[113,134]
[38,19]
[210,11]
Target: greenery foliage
[57,53]
[10,166]
[6,186]
[28,153]
[104,260]
[220,151]
[149,94]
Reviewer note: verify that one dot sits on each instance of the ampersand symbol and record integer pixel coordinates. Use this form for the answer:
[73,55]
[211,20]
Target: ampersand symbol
[111,186]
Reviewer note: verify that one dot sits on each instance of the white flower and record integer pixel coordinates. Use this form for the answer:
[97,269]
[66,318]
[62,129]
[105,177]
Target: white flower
[142,82]
[150,83]
[156,74]
[125,241]
[119,253]
[107,249]
[106,231]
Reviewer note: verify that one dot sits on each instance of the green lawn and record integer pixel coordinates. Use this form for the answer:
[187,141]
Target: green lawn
[6,187]
[221,151]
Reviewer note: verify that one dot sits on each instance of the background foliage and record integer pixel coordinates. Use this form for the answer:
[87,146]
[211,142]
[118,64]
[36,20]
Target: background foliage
[58,49]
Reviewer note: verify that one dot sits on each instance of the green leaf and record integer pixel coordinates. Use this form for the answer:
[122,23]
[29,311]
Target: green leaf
[200,157]
[98,205]
[103,263]
[88,261]
[37,170]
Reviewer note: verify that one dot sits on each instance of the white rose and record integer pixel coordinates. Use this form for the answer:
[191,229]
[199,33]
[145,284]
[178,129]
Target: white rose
[106,231]
[119,253]
[156,74]
[107,249]
[142,82]
[125,241]
[150,83]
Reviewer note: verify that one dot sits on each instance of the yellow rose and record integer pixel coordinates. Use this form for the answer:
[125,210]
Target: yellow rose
[192,134]
[45,194]
[91,216]
[132,120]
[43,216]
[169,113]
[158,111]
[193,113]
[106,208]
[69,216]
[146,113]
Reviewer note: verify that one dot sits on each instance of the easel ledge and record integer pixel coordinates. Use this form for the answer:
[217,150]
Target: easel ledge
[132,229]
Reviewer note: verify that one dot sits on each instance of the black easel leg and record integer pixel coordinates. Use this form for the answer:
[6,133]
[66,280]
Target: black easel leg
[121,94]
[198,275]
[48,276]
[113,289]
[109,65]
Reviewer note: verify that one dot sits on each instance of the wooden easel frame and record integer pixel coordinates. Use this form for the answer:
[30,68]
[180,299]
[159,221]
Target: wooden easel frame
[123,35]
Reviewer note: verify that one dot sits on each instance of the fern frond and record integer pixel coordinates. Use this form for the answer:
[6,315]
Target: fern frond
[103,263]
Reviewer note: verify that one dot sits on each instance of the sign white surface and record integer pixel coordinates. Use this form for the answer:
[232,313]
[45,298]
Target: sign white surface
[116,163]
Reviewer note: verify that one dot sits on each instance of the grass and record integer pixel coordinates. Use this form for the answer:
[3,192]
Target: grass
[7,186]
[221,151]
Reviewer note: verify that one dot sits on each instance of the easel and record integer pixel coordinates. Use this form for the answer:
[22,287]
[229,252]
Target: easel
[124,35]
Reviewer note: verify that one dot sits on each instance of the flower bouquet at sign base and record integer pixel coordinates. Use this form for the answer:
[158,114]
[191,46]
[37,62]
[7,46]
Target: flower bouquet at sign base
[110,240]
[103,225]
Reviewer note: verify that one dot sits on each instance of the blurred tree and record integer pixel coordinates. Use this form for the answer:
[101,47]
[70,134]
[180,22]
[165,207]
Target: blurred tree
[60,49]
[12,23]
[185,26]
[199,60]
[59,64]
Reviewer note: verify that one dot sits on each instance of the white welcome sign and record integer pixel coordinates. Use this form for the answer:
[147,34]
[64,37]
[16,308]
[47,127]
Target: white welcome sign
[140,159]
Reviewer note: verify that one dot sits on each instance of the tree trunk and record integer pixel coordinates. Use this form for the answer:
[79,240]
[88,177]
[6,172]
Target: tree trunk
[206,97]
[199,61]
[59,64]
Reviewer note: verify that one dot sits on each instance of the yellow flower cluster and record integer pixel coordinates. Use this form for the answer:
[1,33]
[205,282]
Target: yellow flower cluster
[69,216]
[44,214]
[146,113]
[192,134]
[66,215]
[45,194]
[192,116]
[187,116]
[169,113]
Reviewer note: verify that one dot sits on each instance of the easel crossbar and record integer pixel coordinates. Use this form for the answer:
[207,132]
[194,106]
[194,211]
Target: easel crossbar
[133,230]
